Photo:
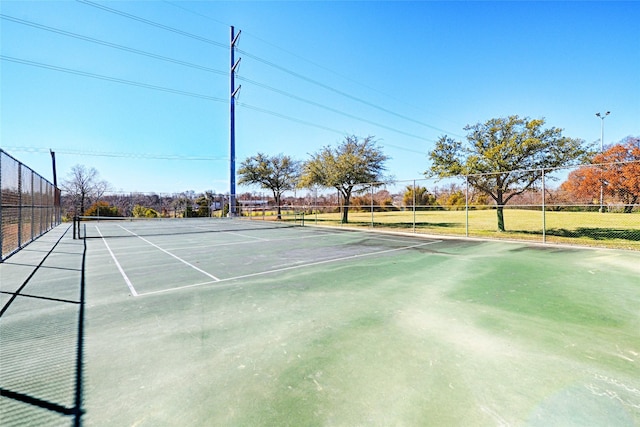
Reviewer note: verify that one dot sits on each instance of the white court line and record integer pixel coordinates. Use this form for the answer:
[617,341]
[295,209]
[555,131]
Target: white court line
[206,229]
[245,235]
[169,253]
[314,236]
[293,267]
[252,242]
[124,275]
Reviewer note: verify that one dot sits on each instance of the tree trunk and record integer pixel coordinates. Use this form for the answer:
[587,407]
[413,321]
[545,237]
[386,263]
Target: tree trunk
[81,204]
[628,208]
[500,213]
[500,209]
[279,208]
[345,214]
[345,208]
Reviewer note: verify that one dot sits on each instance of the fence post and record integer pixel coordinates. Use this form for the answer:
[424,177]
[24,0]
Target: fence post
[544,212]
[466,205]
[20,219]
[1,205]
[414,205]
[372,207]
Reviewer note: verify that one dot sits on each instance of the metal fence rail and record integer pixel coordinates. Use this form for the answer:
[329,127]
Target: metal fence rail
[29,205]
[591,205]
[594,205]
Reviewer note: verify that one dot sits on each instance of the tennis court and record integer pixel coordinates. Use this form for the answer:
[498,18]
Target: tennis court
[244,323]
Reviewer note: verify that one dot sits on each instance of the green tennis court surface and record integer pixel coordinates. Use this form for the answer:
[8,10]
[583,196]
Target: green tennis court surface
[249,323]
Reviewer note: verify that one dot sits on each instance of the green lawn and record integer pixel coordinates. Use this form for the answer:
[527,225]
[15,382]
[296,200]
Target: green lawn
[613,230]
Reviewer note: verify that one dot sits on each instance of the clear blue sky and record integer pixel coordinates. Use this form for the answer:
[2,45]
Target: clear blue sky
[406,72]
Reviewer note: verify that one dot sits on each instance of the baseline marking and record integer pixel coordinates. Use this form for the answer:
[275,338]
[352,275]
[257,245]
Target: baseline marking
[169,253]
[124,275]
[293,267]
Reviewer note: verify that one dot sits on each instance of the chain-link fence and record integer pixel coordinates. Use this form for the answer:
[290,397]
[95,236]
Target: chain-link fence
[597,205]
[30,205]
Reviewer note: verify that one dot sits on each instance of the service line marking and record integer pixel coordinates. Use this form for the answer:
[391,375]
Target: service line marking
[170,254]
[246,235]
[124,275]
[292,267]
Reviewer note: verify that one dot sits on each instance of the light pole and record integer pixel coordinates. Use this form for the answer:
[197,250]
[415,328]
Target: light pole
[602,117]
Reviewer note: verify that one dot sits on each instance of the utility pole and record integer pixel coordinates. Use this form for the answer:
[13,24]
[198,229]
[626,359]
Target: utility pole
[232,147]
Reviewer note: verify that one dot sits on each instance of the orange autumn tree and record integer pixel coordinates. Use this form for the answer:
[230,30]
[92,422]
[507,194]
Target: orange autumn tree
[616,171]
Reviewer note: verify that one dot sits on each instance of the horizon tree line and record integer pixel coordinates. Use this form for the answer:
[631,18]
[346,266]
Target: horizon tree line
[502,160]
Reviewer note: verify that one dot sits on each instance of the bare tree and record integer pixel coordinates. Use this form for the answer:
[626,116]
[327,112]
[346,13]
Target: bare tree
[84,186]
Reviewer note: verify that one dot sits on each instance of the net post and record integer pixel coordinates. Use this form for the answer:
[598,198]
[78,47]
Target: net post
[76,227]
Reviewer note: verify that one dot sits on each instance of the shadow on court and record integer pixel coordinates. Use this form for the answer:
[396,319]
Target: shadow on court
[42,332]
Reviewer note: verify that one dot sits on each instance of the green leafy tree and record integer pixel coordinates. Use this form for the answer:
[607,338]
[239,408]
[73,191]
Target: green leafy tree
[353,162]
[418,195]
[276,173]
[102,208]
[140,211]
[504,157]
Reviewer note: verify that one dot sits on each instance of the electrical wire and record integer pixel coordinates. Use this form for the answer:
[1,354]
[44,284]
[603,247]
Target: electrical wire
[112,45]
[179,92]
[154,24]
[170,90]
[111,79]
[315,64]
[202,15]
[337,91]
[304,122]
[316,104]
[264,61]
[145,156]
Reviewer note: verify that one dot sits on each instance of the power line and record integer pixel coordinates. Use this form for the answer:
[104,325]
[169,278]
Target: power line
[283,116]
[145,156]
[170,90]
[316,104]
[175,91]
[153,23]
[339,92]
[202,15]
[111,45]
[316,64]
[111,79]
[269,63]
[307,123]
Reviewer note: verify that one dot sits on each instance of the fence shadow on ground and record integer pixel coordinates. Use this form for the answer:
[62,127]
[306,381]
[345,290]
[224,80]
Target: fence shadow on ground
[596,233]
[391,225]
[54,339]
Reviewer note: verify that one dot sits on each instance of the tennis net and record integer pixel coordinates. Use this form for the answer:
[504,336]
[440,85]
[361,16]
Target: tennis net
[87,227]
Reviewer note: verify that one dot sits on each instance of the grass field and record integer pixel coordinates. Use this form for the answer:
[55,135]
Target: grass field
[612,230]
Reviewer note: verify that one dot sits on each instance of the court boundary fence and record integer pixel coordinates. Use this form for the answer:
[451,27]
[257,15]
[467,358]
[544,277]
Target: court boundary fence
[30,205]
[589,205]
